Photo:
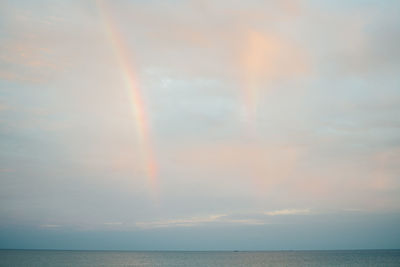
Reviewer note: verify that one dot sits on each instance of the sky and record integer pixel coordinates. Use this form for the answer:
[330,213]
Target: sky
[199,124]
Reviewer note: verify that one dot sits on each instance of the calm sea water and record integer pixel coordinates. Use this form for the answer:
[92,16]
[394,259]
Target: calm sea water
[265,258]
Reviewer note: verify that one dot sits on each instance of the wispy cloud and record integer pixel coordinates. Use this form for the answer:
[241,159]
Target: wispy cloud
[50,225]
[199,221]
[113,223]
[289,212]
[193,221]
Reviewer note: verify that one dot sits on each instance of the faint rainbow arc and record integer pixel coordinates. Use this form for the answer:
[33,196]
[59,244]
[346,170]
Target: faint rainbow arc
[137,105]
[254,62]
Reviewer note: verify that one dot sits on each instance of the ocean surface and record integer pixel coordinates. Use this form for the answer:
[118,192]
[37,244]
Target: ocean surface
[181,258]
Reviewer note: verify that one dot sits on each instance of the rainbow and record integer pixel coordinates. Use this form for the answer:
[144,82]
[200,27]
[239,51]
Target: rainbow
[255,62]
[124,58]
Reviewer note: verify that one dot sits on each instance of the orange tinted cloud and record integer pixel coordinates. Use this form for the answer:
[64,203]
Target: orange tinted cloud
[265,59]
[262,167]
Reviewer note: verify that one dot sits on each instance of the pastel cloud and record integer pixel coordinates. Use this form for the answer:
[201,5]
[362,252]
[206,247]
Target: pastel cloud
[257,110]
[51,225]
[255,219]
[288,212]
[194,221]
[38,48]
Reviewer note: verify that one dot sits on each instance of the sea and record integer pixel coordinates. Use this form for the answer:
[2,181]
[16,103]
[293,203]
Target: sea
[199,258]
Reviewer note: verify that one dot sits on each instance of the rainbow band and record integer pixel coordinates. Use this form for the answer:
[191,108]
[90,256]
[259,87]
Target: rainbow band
[137,105]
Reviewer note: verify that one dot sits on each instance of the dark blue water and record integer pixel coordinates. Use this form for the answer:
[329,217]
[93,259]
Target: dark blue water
[262,258]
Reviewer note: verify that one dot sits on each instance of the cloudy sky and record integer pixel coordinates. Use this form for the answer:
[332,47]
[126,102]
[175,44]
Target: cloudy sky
[199,124]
